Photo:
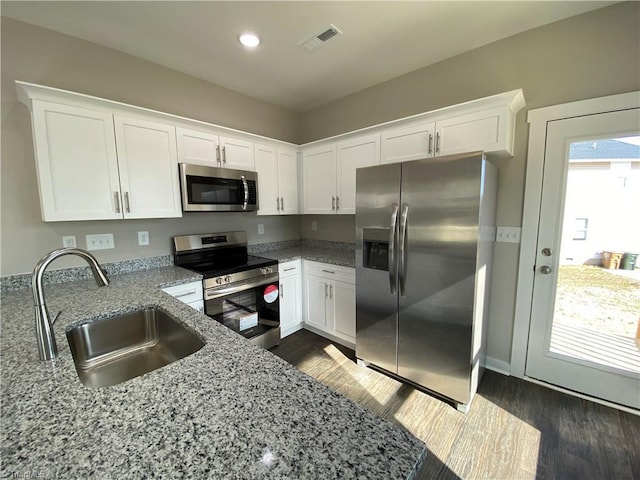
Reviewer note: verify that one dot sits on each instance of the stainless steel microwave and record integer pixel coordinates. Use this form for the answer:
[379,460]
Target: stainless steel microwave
[212,189]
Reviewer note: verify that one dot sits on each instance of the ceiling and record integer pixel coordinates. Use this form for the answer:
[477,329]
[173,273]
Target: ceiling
[381,40]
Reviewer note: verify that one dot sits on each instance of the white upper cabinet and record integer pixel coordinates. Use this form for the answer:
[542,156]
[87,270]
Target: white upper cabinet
[487,130]
[94,166]
[76,163]
[319,170]
[237,153]
[410,142]
[209,149]
[362,151]
[277,180]
[198,148]
[147,161]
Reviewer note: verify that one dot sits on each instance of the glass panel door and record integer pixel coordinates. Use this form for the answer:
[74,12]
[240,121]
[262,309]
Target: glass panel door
[586,300]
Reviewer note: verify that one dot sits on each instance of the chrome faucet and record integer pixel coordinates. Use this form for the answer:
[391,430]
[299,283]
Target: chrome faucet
[47,348]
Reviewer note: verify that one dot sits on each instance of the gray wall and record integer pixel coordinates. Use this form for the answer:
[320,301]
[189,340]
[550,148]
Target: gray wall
[590,55]
[45,57]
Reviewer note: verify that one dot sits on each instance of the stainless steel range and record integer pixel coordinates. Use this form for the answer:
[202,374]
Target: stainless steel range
[240,290]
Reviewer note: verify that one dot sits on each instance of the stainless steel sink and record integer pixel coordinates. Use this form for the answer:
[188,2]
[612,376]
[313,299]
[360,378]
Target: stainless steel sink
[122,347]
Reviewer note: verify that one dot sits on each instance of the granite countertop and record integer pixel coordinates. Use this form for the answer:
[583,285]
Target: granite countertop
[230,410]
[334,253]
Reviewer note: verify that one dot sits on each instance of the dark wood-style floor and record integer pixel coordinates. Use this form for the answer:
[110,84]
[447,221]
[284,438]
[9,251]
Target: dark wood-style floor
[514,429]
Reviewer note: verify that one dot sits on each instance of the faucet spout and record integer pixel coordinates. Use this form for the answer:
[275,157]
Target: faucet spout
[47,348]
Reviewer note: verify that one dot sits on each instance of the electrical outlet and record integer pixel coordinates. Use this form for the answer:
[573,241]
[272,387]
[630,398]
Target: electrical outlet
[260,229]
[508,234]
[143,238]
[102,241]
[69,241]
[314,226]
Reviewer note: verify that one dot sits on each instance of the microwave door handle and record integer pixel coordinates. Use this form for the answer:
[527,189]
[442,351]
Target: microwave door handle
[246,192]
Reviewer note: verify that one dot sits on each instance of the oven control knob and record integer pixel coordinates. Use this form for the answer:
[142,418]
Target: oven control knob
[265,270]
[219,280]
[227,279]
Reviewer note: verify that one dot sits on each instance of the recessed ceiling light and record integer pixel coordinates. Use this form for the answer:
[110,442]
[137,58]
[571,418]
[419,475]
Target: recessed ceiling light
[249,40]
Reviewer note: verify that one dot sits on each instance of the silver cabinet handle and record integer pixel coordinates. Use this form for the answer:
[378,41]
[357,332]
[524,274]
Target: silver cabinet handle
[116,196]
[329,271]
[337,203]
[333,203]
[437,142]
[224,155]
[246,191]
[281,291]
[430,143]
[289,269]
[277,204]
[402,261]
[545,270]
[127,205]
[326,294]
[330,292]
[218,155]
[282,203]
[393,261]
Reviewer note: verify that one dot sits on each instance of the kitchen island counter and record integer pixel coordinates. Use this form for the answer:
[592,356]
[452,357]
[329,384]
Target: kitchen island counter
[230,410]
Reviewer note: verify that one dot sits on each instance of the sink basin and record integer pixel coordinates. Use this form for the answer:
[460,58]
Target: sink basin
[122,347]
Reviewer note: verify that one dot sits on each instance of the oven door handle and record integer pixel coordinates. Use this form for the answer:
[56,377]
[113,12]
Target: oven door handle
[246,192]
[213,293]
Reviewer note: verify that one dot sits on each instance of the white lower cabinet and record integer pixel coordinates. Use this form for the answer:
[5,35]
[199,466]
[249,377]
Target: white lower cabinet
[189,293]
[290,297]
[330,301]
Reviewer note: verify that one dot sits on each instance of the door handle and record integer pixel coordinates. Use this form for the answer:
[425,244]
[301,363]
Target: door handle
[438,142]
[218,160]
[337,203]
[281,291]
[393,264]
[330,292]
[127,204]
[333,203]
[326,292]
[402,274]
[545,270]
[546,252]
[430,143]
[282,203]
[277,204]
[224,155]
[246,191]
[116,197]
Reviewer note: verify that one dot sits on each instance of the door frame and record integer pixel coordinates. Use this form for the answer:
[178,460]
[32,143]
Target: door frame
[538,120]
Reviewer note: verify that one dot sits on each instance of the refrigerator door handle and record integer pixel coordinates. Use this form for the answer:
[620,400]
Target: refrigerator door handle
[402,260]
[393,260]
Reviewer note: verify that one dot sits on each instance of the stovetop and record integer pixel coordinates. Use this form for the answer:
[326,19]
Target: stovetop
[216,267]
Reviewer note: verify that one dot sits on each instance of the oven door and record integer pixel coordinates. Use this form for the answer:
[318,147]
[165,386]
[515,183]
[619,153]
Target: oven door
[207,189]
[250,308]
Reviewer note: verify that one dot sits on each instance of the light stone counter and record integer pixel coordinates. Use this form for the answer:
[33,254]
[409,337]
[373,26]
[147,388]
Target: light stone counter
[231,410]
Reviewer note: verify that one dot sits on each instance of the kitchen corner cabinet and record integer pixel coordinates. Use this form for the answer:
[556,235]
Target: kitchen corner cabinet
[188,293]
[329,173]
[94,165]
[330,301]
[290,297]
[277,180]
[209,149]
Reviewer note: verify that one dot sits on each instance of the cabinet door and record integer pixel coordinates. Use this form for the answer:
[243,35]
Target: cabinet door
[237,153]
[484,130]
[76,163]
[316,290]
[198,148]
[148,165]
[267,168]
[355,153]
[290,311]
[344,309]
[319,179]
[288,181]
[411,142]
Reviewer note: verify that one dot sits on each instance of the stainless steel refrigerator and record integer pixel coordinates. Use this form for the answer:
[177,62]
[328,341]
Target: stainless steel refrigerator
[425,232]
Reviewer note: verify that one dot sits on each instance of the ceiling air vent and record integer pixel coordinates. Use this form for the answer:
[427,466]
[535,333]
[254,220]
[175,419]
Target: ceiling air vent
[319,39]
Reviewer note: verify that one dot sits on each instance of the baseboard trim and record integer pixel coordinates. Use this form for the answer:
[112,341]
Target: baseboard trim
[497,366]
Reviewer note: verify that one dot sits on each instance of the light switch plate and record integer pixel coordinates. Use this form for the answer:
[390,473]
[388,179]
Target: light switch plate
[102,241]
[143,238]
[508,234]
[314,226]
[69,241]
[260,229]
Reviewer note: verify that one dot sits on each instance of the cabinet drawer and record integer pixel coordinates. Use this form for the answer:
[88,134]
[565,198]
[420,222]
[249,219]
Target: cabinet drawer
[287,269]
[186,293]
[326,270]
